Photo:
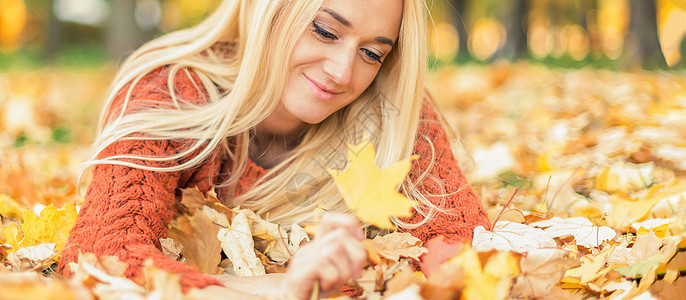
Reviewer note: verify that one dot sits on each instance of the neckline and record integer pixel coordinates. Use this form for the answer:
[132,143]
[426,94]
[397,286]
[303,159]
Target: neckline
[253,165]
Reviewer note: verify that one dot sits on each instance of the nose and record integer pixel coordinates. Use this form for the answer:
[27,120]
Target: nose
[339,65]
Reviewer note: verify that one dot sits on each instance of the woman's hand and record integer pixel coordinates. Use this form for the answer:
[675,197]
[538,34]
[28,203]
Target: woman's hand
[330,259]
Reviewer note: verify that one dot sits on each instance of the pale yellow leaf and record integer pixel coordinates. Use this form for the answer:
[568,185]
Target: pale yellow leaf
[238,246]
[510,236]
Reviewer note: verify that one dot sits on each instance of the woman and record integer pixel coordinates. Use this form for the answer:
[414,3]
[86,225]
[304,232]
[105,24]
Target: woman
[260,93]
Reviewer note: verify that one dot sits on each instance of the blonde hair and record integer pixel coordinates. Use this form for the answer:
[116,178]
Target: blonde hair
[263,34]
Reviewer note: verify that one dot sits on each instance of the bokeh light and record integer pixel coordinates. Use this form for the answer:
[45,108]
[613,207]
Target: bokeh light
[12,22]
[445,42]
[671,21]
[488,35]
[613,23]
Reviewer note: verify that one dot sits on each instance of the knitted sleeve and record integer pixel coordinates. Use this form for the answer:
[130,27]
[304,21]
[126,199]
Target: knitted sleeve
[127,210]
[444,185]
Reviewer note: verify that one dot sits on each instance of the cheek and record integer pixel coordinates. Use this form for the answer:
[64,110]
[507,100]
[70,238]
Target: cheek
[304,52]
[363,78]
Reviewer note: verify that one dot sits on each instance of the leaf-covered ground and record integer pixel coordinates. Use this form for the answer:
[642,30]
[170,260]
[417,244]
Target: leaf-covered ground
[583,173]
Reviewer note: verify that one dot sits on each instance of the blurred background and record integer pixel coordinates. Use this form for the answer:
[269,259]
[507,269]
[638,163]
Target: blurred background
[526,83]
[570,33]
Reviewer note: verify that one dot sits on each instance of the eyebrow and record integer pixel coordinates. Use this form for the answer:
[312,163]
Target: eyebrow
[346,23]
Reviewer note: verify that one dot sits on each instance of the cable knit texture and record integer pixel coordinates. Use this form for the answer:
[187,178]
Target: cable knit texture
[128,210]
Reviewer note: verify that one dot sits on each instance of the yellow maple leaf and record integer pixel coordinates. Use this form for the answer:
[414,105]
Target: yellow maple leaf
[9,207]
[592,267]
[493,281]
[11,235]
[626,210]
[371,192]
[52,226]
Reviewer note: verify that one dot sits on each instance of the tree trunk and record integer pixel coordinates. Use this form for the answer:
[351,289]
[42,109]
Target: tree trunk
[458,17]
[682,62]
[588,19]
[122,34]
[53,36]
[643,44]
[516,27]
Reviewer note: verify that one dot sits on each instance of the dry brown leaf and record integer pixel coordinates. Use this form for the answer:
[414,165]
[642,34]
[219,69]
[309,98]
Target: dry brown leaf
[542,269]
[198,235]
[438,251]
[31,285]
[664,290]
[161,284]
[171,248]
[645,246]
[395,245]
[446,282]
[33,258]
[401,280]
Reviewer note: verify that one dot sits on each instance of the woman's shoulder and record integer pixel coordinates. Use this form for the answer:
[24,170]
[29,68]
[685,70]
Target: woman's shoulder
[164,87]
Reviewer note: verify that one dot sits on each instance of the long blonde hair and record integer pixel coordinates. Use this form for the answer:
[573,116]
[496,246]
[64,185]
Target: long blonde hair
[263,34]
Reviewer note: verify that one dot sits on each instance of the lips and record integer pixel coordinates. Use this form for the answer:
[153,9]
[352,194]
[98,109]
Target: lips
[319,90]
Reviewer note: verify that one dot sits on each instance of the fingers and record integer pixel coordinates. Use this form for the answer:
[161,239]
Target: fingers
[332,221]
[330,259]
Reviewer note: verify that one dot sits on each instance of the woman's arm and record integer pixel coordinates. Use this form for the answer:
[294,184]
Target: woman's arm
[463,211]
[127,210]
[125,214]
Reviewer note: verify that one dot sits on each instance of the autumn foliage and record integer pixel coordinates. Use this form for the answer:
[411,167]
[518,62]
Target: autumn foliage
[582,172]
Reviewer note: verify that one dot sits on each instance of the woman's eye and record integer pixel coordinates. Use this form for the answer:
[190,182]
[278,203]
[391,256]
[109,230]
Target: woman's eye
[323,32]
[371,55]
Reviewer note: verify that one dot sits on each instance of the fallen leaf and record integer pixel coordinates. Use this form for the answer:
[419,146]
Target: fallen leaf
[275,241]
[541,270]
[161,284]
[627,210]
[624,177]
[493,281]
[238,246]
[33,258]
[371,192]
[171,248]
[583,231]
[645,246]
[395,245]
[639,267]
[9,207]
[52,226]
[645,265]
[592,267]
[31,285]
[105,286]
[411,292]
[509,236]
[111,265]
[401,280]
[663,290]
[198,235]
[438,251]
[446,282]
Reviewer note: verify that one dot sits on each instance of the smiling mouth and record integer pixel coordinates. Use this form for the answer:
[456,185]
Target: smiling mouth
[321,93]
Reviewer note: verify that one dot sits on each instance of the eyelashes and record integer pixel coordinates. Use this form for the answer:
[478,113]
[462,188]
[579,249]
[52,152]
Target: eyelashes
[325,34]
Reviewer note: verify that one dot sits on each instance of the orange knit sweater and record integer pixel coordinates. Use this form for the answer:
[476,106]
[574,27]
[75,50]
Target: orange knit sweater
[128,210]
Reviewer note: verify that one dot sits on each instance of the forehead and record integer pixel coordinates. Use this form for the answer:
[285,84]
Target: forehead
[372,17]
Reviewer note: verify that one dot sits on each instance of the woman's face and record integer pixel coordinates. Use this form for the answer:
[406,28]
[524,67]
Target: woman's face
[337,58]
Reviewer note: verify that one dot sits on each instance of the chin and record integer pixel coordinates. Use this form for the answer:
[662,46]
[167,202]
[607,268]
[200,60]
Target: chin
[313,119]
